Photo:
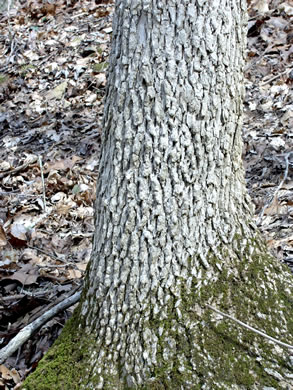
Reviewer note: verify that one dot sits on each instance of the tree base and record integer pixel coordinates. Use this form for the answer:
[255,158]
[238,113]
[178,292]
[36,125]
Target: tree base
[207,351]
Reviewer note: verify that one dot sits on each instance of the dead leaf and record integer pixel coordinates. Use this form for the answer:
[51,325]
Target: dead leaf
[74,274]
[27,275]
[62,165]
[4,166]
[82,266]
[5,372]
[3,240]
[58,92]
[273,208]
[19,231]
[15,376]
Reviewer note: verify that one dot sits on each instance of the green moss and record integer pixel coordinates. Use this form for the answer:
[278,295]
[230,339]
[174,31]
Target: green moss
[60,367]
[25,69]
[226,342]
[100,67]
[3,78]
[213,351]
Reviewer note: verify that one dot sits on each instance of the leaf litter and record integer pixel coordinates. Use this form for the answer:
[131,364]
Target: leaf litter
[53,61]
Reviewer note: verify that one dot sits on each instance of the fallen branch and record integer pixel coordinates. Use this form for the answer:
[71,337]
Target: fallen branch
[28,330]
[285,345]
[43,184]
[18,169]
[274,78]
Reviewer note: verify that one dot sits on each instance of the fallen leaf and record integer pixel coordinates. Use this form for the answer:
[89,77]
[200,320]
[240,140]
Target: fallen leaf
[27,275]
[18,231]
[74,274]
[273,208]
[62,165]
[58,92]
[4,166]
[3,240]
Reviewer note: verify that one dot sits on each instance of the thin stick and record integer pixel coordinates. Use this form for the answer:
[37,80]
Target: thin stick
[273,78]
[18,169]
[47,254]
[287,156]
[285,345]
[28,330]
[43,183]
[255,61]
[17,193]
[8,18]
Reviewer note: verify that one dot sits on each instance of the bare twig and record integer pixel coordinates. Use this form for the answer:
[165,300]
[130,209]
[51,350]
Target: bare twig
[285,345]
[2,193]
[47,253]
[275,77]
[28,330]
[287,156]
[17,193]
[15,297]
[8,19]
[18,169]
[256,60]
[46,59]
[56,265]
[43,184]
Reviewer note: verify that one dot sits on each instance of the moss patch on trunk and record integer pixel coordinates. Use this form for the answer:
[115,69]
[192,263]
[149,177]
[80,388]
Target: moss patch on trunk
[210,352]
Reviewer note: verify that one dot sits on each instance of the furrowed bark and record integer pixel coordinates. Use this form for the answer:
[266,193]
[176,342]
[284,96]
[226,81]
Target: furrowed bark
[174,227]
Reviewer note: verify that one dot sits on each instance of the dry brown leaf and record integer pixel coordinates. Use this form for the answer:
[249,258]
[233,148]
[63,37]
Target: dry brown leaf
[15,375]
[74,274]
[273,208]
[62,165]
[82,266]
[63,209]
[3,240]
[5,372]
[30,255]
[58,92]
[27,275]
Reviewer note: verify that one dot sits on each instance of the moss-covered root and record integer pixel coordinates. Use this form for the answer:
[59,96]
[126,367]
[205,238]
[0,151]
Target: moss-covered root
[196,348]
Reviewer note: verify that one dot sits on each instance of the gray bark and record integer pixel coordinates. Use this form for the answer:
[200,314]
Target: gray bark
[173,219]
[171,185]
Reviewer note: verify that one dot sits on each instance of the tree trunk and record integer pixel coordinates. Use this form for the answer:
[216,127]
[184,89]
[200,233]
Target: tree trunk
[173,222]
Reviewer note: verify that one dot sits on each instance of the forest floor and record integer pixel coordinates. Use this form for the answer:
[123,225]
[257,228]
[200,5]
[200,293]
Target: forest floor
[53,59]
